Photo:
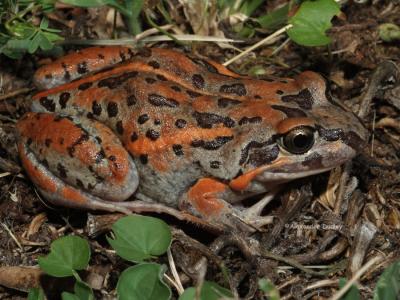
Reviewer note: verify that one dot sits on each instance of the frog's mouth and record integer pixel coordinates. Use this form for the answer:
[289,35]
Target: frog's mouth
[289,167]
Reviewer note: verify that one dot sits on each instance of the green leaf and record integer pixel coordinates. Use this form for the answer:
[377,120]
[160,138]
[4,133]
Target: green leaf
[67,254]
[274,19]
[352,293]
[209,291]
[143,282]
[269,289]
[69,296]
[388,285]
[311,22]
[139,237]
[83,290]
[36,294]
[89,3]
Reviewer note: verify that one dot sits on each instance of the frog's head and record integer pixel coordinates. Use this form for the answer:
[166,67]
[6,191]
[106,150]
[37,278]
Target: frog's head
[316,134]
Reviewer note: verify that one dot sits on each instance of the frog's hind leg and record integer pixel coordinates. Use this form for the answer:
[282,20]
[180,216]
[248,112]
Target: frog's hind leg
[77,64]
[76,161]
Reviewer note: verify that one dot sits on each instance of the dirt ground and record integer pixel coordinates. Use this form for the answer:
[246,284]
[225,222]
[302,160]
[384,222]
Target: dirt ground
[335,222]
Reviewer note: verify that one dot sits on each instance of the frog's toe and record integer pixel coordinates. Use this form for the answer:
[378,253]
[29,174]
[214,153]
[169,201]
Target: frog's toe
[68,156]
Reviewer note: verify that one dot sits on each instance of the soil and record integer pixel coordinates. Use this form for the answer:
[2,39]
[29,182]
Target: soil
[331,222]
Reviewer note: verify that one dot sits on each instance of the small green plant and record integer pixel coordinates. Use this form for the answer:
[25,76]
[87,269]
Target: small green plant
[19,33]
[136,239]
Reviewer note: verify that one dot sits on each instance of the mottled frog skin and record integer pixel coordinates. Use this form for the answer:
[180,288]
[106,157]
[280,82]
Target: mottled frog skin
[177,132]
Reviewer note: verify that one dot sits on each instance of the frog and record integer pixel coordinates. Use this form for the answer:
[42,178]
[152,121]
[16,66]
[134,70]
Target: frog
[157,130]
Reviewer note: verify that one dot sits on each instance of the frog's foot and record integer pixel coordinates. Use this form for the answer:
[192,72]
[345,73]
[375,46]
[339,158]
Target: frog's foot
[205,199]
[76,161]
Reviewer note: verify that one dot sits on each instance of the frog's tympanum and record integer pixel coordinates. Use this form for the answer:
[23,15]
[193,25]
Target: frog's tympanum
[177,132]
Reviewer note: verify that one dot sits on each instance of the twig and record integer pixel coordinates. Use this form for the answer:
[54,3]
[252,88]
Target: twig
[356,276]
[256,45]
[179,286]
[12,236]
[15,93]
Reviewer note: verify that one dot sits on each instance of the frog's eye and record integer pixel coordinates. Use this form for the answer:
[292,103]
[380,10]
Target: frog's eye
[298,140]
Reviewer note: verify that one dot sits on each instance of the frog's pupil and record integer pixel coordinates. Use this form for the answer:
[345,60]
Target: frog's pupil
[301,141]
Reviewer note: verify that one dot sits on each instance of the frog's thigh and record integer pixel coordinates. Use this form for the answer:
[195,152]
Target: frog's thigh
[207,199]
[75,161]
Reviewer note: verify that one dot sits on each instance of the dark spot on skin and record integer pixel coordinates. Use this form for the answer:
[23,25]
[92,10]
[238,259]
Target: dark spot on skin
[47,142]
[96,108]
[122,55]
[178,150]
[112,158]
[29,141]
[113,82]
[67,75]
[79,184]
[212,145]
[263,156]
[145,52]
[154,64]
[98,139]
[290,112]
[134,137]
[250,146]
[45,163]
[89,115]
[304,99]
[215,164]
[144,159]
[158,100]
[279,92]
[353,140]
[131,100]
[225,102]
[210,68]
[207,120]
[112,109]
[48,104]
[198,81]
[157,122]
[61,141]
[152,134]
[101,56]
[83,138]
[251,120]
[330,135]
[143,118]
[161,77]
[100,156]
[150,80]
[119,127]
[313,161]
[82,68]
[48,76]
[257,97]
[62,171]
[85,86]
[64,97]
[193,94]
[236,88]
[176,88]
[180,123]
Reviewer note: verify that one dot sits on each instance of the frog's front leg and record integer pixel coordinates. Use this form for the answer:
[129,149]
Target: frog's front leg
[211,199]
[76,161]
